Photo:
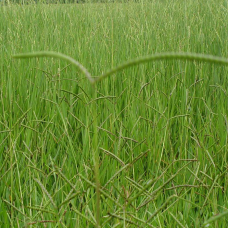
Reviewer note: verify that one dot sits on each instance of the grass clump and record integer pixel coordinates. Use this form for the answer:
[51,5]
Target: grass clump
[145,147]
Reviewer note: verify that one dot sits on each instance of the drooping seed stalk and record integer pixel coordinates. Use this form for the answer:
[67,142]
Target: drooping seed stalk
[133,62]
[57,55]
[165,56]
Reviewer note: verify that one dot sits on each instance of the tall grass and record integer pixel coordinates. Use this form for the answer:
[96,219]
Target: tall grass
[145,147]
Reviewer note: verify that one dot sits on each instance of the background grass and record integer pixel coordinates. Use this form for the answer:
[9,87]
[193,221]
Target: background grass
[160,129]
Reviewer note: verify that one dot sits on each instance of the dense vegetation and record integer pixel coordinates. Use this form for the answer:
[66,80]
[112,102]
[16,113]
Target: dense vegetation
[145,147]
[26,2]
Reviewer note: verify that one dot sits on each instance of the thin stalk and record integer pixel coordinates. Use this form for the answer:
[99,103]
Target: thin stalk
[57,55]
[133,62]
[95,152]
[165,56]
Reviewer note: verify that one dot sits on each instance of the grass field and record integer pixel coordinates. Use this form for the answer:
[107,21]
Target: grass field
[144,147]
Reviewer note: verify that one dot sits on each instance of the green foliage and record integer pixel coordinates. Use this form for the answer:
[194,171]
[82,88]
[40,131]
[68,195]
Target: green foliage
[29,2]
[144,147]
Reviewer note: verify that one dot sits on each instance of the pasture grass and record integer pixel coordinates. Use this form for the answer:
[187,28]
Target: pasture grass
[144,147]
